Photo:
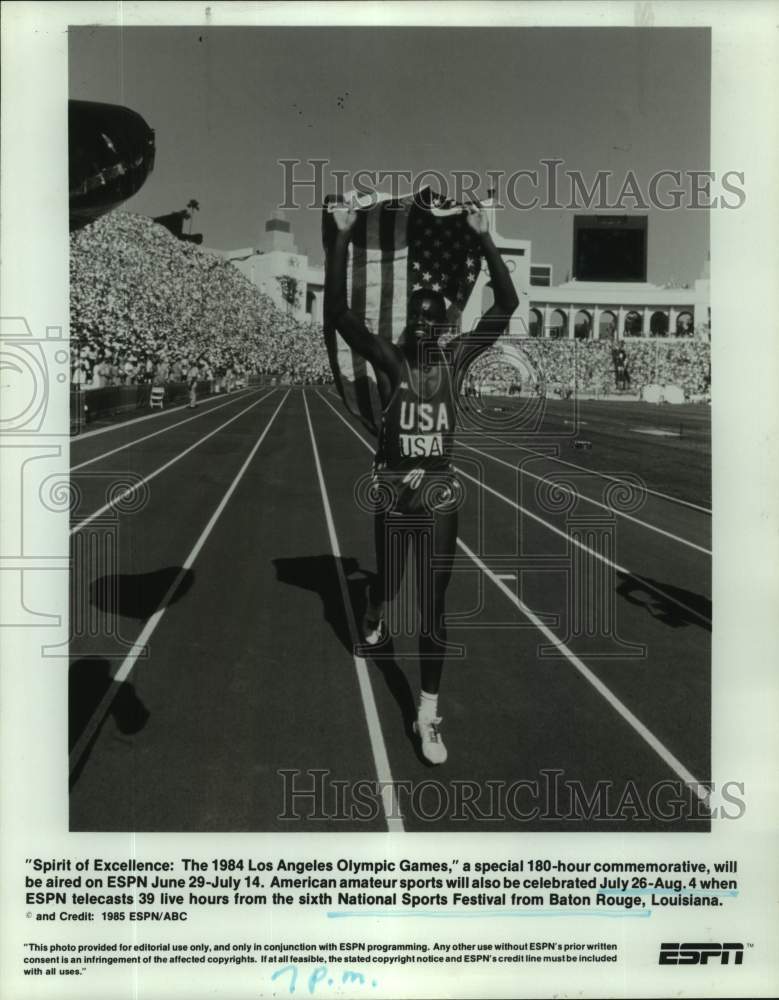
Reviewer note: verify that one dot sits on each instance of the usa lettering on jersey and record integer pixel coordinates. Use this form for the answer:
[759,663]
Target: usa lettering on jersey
[421,445]
[422,417]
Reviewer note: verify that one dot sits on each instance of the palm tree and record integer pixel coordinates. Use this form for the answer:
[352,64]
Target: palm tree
[193,206]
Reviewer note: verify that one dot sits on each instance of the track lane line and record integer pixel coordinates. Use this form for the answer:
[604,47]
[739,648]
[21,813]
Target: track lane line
[153,475]
[602,475]
[550,527]
[585,548]
[603,690]
[378,747]
[582,468]
[140,643]
[164,430]
[619,706]
[75,438]
[582,496]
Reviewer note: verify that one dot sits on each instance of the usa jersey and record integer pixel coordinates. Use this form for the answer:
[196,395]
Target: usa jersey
[417,425]
[413,461]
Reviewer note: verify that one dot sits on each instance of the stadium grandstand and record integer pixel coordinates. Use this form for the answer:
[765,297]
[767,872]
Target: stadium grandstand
[146,306]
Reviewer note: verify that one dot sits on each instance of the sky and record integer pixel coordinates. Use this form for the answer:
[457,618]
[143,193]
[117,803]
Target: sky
[228,103]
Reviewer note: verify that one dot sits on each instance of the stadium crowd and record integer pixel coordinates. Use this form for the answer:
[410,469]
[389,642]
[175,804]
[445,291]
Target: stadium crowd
[562,367]
[146,307]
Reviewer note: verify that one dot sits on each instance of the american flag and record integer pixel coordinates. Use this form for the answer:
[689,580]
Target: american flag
[398,247]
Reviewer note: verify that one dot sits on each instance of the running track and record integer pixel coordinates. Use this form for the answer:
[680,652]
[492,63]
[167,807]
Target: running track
[214,635]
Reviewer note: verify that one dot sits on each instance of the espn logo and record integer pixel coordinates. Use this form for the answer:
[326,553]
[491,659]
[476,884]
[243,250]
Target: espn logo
[699,954]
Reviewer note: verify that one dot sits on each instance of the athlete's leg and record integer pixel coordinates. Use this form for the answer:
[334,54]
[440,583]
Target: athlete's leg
[391,544]
[377,592]
[434,557]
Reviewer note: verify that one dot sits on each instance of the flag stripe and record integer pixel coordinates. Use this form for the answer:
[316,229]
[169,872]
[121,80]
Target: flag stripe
[390,213]
[372,274]
[359,366]
[399,274]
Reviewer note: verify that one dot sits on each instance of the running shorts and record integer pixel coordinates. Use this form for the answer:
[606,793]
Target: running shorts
[416,491]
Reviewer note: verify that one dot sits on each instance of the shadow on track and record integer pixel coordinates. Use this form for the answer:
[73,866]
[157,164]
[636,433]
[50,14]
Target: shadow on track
[320,575]
[633,590]
[139,595]
[89,680]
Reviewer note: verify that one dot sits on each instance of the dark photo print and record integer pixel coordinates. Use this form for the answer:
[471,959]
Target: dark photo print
[390,429]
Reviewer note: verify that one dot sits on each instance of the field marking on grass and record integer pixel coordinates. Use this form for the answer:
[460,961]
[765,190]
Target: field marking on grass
[95,720]
[594,472]
[164,430]
[603,690]
[153,475]
[151,416]
[582,496]
[557,531]
[378,747]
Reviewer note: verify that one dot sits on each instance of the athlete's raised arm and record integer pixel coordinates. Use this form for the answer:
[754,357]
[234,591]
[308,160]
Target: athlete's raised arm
[492,324]
[382,355]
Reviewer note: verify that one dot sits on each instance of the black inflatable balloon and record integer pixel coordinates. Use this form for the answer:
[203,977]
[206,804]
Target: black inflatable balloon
[111,153]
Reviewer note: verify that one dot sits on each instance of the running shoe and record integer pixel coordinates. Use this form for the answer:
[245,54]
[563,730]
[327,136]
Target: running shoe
[374,632]
[374,628]
[429,733]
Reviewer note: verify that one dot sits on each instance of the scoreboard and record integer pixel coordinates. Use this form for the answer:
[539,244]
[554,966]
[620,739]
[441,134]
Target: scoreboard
[610,247]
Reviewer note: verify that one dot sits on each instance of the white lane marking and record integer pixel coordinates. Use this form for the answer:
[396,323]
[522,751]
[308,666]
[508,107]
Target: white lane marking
[619,706]
[153,475]
[585,548]
[146,437]
[151,416]
[582,496]
[140,643]
[378,748]
[656,432]
[602,475]
[507,576]
[663,752]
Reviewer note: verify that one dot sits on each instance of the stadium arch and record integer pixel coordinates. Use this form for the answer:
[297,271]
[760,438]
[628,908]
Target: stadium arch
[685,324]
[607,325]
[633,324]
[582,325]
[658,324]
[558,324]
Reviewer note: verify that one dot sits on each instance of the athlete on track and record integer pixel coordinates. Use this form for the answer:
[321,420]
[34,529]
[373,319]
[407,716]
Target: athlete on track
[193,374]
[417,382]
